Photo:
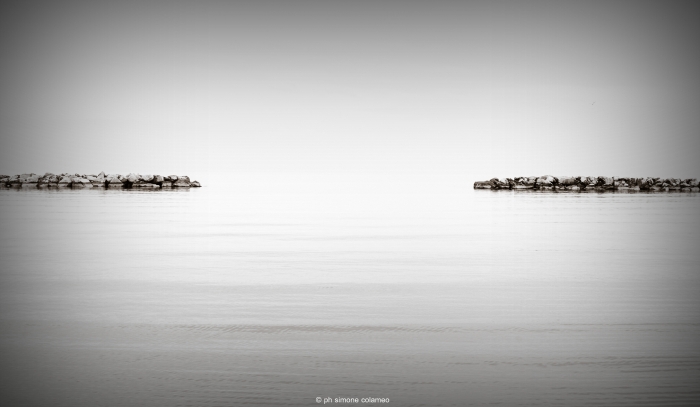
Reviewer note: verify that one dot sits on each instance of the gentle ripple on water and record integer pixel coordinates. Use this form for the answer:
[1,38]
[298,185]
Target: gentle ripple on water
[264,294]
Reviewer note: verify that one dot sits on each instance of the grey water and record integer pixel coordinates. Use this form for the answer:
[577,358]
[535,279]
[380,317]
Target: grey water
[278,289]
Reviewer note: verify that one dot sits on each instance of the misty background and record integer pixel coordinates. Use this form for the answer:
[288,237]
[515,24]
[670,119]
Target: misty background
[347,89]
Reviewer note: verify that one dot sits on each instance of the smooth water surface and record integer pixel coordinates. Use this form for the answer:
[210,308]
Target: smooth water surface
[276,290]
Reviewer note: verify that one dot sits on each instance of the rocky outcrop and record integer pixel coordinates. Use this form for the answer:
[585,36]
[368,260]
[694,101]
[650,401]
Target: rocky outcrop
[182,182]
[143,184]
[48,180]
[130,179]
[599,183]
[80,182]
[113,181]
[101,180]
[14,181]
[65,181]
[98,181]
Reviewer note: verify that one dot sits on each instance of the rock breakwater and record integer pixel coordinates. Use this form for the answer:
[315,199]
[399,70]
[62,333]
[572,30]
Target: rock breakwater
[550,182]
[101,180]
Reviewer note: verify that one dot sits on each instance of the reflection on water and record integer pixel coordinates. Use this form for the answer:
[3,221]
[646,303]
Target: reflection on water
[274,291]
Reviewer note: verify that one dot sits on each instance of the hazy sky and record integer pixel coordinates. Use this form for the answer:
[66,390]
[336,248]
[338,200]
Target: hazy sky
[479,88]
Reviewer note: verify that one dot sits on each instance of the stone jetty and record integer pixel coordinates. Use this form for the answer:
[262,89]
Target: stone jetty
[601,184]
[101,180]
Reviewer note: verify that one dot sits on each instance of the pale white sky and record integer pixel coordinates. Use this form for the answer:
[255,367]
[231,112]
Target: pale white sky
[476,88]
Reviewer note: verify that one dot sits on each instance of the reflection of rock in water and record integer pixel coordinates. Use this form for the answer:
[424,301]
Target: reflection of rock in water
[549,182]
[101,180]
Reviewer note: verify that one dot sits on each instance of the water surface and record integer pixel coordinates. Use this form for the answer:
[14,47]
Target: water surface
[275,290]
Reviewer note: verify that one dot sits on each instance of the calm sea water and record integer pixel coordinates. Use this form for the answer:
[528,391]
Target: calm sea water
[273,290]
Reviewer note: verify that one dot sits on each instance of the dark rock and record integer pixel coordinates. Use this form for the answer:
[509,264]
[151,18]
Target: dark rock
[33,179]
[494,183]
[195,184]
[546,180]
[569,181]
[114,182]
[606,181]
[587,182]
[98,181]
[14,181]
[80,182]
[182,182]
[525,183]
[131,178]
[501,183]
[143,184]
[510,183]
